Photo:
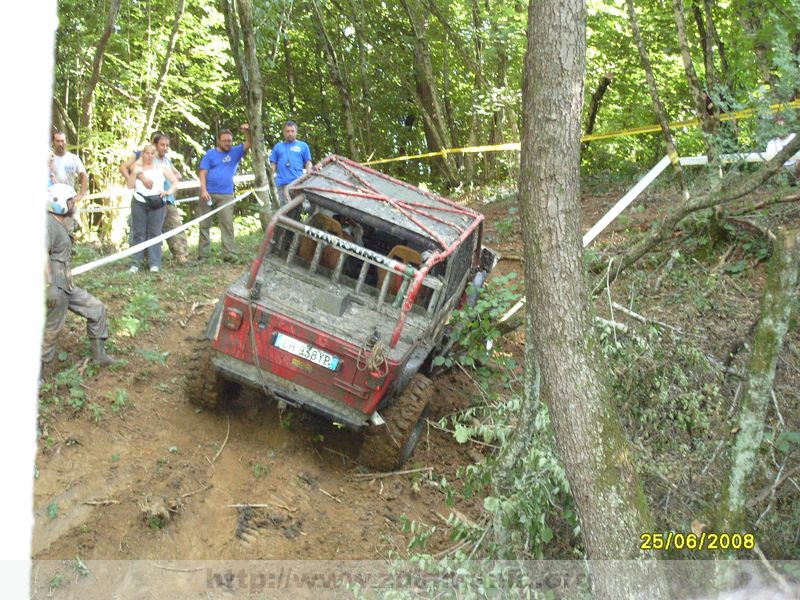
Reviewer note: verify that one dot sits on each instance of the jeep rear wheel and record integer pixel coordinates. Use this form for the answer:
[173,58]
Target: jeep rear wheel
[204,386]
[389,446]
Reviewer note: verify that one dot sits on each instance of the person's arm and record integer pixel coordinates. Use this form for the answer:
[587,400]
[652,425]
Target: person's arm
[126,168]
[84,186]
[248,139]
[307,164]
[204,195]
[170,176]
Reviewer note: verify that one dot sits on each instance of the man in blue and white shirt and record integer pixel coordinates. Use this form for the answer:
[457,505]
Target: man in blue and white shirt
[289,160]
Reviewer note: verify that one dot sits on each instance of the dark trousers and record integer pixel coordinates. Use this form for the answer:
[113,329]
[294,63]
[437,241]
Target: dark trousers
[147,223]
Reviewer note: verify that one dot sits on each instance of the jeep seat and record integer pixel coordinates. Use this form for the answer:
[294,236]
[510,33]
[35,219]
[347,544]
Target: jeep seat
[307,246]
[402,254]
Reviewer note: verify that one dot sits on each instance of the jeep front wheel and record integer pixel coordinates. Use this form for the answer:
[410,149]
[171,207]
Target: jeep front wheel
[204,386]
[389,446]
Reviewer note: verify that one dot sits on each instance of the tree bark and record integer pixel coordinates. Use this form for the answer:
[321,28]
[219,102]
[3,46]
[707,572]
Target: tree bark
[63,122]
[611,505]
[241,36]
[339,81]
[594,105]
[709,123]
[477,87]
[427,96]
[658,108]
[290,85]
[155,97]
[87,103]
[779,291]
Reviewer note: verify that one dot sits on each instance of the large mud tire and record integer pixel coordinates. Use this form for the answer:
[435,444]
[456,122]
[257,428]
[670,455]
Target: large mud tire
[204,386]
[389,446]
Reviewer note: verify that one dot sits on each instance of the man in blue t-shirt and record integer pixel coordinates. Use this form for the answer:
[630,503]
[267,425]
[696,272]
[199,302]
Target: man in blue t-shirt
[288,159]
[217,169]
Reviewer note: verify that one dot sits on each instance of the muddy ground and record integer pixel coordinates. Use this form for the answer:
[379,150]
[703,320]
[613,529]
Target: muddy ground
[159,478]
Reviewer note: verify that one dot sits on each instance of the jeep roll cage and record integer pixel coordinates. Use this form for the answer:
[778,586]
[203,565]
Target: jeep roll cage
[435,225]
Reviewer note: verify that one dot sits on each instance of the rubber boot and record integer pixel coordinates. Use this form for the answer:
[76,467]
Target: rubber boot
[99,353]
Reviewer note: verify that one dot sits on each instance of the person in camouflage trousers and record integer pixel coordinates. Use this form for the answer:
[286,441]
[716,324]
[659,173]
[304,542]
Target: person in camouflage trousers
[62,294]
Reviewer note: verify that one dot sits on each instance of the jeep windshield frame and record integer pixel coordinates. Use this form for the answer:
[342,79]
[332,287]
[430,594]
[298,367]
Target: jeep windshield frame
[386,203]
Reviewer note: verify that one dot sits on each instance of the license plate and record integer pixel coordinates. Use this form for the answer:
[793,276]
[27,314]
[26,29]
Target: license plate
[307,351]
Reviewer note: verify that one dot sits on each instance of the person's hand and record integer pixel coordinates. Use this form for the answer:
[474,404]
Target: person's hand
[77,198]
[52,296]
[205,196]
[148,183]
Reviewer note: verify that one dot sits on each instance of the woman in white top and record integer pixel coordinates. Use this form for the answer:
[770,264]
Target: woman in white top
[147,178]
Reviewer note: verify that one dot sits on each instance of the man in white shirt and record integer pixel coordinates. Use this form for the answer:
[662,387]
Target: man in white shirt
[777,144]
[67,168]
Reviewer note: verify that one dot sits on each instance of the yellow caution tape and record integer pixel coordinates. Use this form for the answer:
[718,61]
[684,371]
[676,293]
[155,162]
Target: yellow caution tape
[514,146]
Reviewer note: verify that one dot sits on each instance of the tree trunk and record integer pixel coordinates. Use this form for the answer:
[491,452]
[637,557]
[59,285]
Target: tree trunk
[63,122]
[708,121]
[241,36]
[339,81]
[436,130]
[658,108]
[594,104]
[776,304]
[87,104]
[477,87]
[611,505]
[359,11]
[290,85]
[155,97]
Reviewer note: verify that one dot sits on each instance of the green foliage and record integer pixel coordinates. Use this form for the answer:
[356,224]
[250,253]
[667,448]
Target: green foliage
[474,328]
[52,511]
[119,399]
[665,389]
[260,470]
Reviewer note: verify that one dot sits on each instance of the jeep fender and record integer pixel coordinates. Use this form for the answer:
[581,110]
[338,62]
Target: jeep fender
[409,369]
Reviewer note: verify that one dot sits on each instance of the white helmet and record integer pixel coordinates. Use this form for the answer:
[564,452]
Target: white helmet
[57,196]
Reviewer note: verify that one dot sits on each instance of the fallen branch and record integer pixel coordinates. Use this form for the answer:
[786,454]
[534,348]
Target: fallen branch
[225,441]
[331,496]
[101,502]
[748,224]
[730,189]
[202,489]
[391,474]
[274,505]
[766,204]
[773,487]
[178,570]
[775,575]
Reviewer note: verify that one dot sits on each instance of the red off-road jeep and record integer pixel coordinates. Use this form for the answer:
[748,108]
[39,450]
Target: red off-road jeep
[346,305]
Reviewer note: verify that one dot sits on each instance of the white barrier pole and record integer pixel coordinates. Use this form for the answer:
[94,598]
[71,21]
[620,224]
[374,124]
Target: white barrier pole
[623,202]
[156,240]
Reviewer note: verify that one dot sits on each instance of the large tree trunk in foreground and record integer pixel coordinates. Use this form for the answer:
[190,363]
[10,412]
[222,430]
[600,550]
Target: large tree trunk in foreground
[611,505]
[87,104]
[779,291]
